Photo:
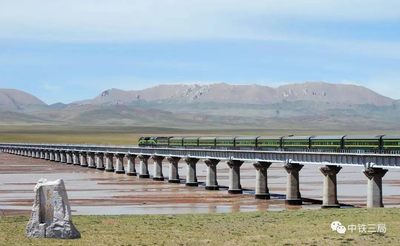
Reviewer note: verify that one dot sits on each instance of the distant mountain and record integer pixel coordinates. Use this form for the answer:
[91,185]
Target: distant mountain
[58,105]
[12,100]
[313,106]
[9,117]
[337,94]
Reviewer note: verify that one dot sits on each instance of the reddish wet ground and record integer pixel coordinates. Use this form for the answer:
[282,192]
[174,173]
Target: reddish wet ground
[97,192]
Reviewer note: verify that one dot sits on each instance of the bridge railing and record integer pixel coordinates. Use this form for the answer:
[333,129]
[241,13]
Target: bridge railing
[303,157]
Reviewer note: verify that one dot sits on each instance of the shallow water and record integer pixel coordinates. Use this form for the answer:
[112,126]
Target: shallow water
[96,192]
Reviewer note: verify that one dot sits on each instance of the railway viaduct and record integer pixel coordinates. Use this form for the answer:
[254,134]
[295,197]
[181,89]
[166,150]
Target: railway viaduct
[111,159]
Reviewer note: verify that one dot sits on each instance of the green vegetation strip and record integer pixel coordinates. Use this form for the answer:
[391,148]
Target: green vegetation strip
[257,228]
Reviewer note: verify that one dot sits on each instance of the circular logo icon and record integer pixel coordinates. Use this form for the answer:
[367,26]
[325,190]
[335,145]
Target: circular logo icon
[335,224]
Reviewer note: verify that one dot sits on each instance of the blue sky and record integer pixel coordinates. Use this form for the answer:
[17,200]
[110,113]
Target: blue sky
[69,50]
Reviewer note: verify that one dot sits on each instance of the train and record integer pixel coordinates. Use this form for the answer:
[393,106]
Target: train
[374,144]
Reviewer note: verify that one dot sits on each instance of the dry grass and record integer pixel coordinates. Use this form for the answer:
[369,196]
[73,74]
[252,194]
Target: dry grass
[258,228]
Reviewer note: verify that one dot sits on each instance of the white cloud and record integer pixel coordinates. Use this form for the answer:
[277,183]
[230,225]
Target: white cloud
[127,20]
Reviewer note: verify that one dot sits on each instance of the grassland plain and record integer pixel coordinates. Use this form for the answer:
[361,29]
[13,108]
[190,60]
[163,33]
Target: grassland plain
[123,135]
[255,228]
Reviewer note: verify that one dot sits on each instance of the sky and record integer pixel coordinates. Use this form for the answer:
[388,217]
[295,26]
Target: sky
[68,50]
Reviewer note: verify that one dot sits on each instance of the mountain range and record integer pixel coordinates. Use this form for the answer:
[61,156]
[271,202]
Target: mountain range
[310,105]
[245,94]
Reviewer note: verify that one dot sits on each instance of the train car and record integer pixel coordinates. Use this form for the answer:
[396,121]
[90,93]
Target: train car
[147,141]
[176,142]
[327,143]
[375,144]
[161,141]
[362,143]
[154,141]
[142,141]
[207,142]
[390,143]
[191,141]
[245,142]
[225,142]
[296,142]
[269,143]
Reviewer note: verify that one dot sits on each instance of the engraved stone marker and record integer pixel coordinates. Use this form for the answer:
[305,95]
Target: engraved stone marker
[51,213]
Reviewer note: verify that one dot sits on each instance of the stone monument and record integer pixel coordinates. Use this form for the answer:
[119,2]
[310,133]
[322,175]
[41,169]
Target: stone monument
[51,213]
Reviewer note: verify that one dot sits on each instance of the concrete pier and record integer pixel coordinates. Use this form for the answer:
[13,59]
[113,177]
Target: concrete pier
[47,155]
[100,161]
[75,157]
[144,166]
[234,177]
[83,159]
[90,160]
[119,164]
[293,196]
[262,190]
[191,176]
[130,167]
[41,154]
[69,157]
[211,180]
[374,192]
[109,162]
[57,156]
[51,155]
[173,176]
[63,157]
[329,194]
[158,173]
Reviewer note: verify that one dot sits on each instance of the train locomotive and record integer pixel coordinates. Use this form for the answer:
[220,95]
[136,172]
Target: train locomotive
[373,144]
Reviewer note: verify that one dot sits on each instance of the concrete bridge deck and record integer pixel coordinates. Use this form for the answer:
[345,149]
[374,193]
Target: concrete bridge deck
[102,157]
